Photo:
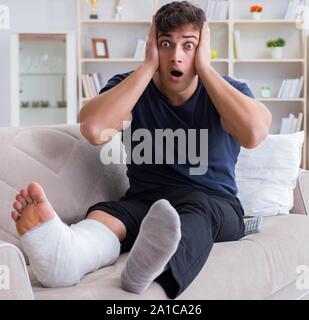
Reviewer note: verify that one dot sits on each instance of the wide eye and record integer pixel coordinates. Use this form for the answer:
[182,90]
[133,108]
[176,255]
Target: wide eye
[165,44]
[189,45]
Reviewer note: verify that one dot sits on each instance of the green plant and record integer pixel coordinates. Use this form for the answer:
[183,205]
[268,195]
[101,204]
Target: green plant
[279,42]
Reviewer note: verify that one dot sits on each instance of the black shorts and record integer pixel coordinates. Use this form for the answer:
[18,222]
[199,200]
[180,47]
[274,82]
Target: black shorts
[206,217]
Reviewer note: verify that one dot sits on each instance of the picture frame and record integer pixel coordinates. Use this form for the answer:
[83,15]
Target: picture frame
[100,48]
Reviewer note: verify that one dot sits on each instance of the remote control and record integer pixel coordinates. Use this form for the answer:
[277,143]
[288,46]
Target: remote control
[253,224]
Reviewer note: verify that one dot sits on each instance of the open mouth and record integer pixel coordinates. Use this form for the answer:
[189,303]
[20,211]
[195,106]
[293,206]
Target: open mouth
[176,73]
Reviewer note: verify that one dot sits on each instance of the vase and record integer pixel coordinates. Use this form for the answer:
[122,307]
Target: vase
[265,92]
[256,15]
[276,52]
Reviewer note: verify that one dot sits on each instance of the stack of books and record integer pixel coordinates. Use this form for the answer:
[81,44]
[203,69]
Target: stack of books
[216,10]
[291,123]
[293,9]
[92,83]
[291,88]
[140,49]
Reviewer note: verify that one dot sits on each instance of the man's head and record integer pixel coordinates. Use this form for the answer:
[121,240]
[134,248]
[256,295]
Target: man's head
[178,27]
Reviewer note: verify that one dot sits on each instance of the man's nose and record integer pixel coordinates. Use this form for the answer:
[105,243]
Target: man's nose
[176,55]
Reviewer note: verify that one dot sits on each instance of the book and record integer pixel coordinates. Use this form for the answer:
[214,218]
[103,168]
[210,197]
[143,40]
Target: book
[209,13]
[283,83]
[140,49]
[91,85]
[292,91]
[284,125]
[290,123]
[96,82]
[299,87]
[215,10]
[237,45]
[293,127]
[87,93]
[286,88]
[299,121]
[288,11]
[208,8]
[224,10]
[291,10]
[102,79]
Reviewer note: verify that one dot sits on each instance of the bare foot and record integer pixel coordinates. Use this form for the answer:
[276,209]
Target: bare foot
[31,208]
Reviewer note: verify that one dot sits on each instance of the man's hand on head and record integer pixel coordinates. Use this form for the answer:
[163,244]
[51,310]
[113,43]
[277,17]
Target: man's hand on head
[202,55]
[152,52]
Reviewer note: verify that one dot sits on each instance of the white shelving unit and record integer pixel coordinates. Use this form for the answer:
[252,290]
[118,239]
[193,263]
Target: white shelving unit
[256,64]
[43,69]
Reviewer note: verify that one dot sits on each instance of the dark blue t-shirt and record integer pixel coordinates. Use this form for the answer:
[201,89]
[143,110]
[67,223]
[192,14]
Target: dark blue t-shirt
[153,111]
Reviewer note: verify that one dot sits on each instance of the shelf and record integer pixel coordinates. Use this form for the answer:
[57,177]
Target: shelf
[260,99]
[89,21]
[111,21]
[218,21]
[270,60]
[41,74]
[278,21]
[41,108]
[220,60]
[86,60]
[281,100]
[110,60]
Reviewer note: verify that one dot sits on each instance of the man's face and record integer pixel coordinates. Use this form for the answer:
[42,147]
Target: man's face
[176,57]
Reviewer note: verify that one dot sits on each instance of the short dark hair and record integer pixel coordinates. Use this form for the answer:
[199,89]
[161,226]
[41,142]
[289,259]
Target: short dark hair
[177,14]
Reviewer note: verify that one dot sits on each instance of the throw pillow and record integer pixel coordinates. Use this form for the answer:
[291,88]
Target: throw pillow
[267,175]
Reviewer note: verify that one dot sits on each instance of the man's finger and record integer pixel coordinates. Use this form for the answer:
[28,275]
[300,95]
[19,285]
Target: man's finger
[206,27]
[152,31]
[205,32]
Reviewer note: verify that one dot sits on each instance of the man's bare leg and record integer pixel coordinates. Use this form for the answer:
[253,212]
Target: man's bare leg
[61,255]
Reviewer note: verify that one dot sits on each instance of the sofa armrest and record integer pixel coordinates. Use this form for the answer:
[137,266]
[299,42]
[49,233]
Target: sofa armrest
[301,193]
[14,278]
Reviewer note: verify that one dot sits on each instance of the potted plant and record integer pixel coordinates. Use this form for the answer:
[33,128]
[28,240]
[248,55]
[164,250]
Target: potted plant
[266,91]
[256,12]
[276,45]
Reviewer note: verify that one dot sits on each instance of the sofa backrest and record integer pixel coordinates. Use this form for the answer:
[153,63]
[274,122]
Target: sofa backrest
[64,163]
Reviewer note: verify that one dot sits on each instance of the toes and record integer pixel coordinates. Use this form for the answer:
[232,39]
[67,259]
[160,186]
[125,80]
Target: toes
[17,206]
[36,192]
[21,200]
[15,215]
[25,195]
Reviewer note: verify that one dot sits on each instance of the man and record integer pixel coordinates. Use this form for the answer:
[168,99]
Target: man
[169,218]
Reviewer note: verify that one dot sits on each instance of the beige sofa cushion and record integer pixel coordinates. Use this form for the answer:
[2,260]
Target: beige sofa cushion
[253,268]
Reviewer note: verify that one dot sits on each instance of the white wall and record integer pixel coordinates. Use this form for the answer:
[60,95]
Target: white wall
[30,16]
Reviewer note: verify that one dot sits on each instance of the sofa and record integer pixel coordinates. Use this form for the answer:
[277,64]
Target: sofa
[258,266]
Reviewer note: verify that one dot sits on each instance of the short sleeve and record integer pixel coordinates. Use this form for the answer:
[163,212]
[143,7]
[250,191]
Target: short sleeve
[116,79]
[241,86]
[244,88]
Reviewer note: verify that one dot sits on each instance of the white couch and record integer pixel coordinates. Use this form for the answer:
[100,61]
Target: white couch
[259,266]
